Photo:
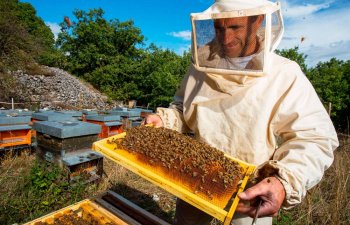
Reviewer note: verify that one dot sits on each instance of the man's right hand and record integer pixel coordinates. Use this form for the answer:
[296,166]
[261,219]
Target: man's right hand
[153,119]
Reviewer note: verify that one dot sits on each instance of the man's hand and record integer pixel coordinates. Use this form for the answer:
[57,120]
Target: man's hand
[270,191]
[153,119]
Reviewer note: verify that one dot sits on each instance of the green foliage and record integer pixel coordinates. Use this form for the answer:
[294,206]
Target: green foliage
[24,37]
[92,42]
[44,189]
[108,55]
[331,81]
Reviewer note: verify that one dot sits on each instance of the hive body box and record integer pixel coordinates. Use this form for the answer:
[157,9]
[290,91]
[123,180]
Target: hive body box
[14,131]
[110,124]
[69,145]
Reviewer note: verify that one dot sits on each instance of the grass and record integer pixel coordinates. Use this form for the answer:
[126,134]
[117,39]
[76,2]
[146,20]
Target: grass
[28,191]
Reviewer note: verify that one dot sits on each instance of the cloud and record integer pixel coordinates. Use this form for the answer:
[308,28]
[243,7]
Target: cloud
[339,50]
[185,35]
[325,32]
[55,28]
[298,11]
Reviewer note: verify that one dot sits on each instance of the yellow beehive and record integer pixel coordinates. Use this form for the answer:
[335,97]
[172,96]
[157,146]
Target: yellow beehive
[86,210]
[218,207]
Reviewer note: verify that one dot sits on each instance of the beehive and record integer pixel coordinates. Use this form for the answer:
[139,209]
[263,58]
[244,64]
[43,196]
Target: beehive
[15,131]
[110,124]
[68,144]
[206,186]
[15,135]
[85,212]
[108,209]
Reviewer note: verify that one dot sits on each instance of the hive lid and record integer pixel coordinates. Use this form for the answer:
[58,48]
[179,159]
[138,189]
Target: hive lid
[125,113]
[103,118]
[66,129]
[12,120]
[52,116]
[71,113]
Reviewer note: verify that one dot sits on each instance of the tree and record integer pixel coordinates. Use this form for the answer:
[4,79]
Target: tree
[92,42]
[331,84]
[108,54]
[24,37]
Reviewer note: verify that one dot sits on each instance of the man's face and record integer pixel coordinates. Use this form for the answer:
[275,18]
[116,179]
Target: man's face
[237,36]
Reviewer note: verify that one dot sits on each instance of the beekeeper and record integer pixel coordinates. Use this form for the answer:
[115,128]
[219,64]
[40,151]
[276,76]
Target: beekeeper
[242,98]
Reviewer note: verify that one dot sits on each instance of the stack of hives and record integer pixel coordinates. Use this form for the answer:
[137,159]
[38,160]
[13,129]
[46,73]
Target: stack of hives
[204,170]
[68,144]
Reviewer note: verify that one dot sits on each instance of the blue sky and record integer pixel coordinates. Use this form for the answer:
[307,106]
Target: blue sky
[323,24]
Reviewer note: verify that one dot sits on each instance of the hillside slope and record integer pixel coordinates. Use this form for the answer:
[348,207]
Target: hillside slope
[59,90]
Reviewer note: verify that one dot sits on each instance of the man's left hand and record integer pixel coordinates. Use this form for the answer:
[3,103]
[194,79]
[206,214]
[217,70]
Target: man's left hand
[270,191]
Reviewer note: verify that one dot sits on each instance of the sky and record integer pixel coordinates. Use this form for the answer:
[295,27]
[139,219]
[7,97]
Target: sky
[322,24]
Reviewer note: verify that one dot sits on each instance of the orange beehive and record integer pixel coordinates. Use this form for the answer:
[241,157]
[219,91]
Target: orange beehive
[15,135]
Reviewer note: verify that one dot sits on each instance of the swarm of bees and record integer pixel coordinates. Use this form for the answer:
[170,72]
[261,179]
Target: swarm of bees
[203,168]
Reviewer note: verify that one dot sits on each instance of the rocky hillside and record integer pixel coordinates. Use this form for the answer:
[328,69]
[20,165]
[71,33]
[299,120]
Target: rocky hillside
[58,89]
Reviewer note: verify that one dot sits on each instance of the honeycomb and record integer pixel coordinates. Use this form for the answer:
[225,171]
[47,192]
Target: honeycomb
[195,165]
[71,218]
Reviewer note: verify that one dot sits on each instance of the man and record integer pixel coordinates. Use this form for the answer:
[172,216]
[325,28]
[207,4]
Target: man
[243,99]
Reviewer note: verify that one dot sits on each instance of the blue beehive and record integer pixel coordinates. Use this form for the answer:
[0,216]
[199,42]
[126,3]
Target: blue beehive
[69,144]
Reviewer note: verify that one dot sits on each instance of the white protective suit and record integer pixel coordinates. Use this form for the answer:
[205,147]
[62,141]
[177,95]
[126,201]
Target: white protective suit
[275,121]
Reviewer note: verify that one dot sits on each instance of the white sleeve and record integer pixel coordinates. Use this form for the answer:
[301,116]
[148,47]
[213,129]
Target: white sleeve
[308,140]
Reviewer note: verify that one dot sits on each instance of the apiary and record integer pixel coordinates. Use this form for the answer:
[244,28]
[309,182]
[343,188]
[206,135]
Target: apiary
[68,144]
[110,124]
[193,171]
[107,209]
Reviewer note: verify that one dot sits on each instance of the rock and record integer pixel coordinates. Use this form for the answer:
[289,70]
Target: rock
[61,91]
